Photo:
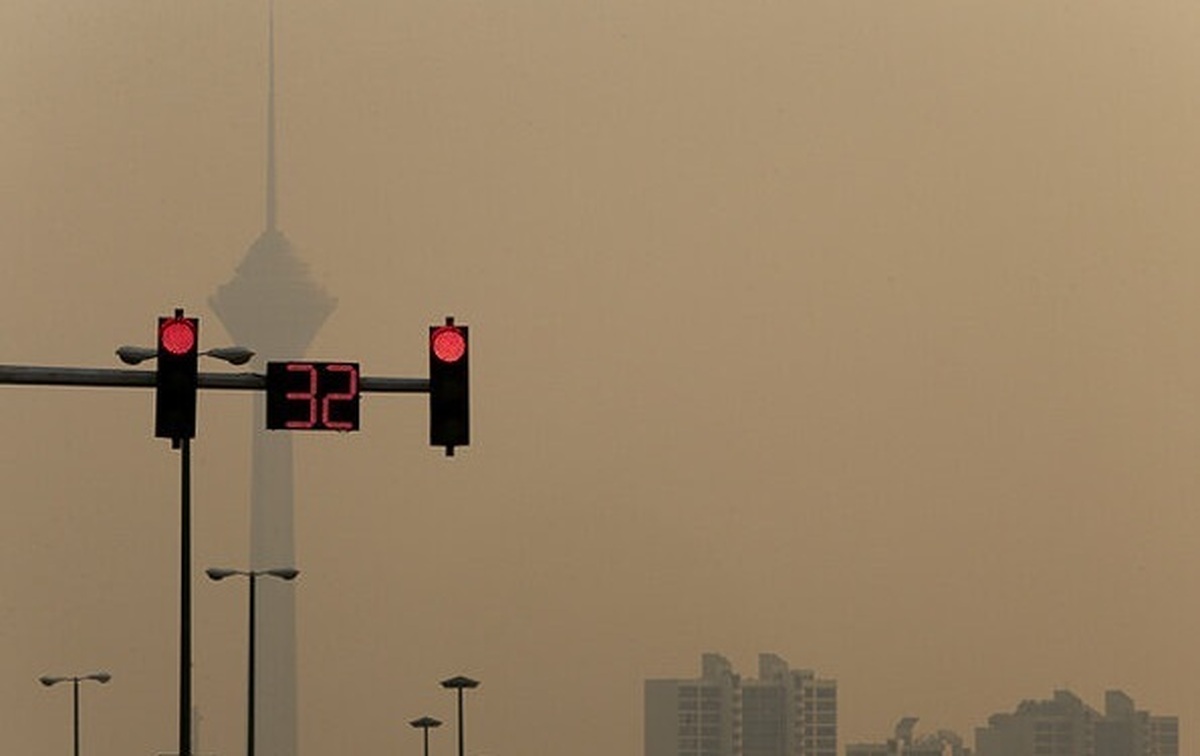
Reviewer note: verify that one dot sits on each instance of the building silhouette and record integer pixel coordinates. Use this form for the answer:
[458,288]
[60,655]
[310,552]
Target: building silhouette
[693,717]
[905,742]
[1066,726]
[272,306]
[782,712]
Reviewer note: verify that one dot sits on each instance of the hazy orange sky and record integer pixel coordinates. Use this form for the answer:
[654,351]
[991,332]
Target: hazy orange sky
[860,332]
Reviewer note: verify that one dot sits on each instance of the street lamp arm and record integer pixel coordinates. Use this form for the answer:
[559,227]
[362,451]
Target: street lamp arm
[48,680]
[234,355]
[283,573]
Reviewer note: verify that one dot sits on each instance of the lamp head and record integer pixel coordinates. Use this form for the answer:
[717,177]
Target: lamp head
[460,682]
[220,573]
[426,722]
[134,355]
[283,573]
[49,680]
[100,677]
[234,355]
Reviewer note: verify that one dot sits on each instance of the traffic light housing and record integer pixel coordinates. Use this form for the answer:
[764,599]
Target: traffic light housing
[449,395]
[175,381]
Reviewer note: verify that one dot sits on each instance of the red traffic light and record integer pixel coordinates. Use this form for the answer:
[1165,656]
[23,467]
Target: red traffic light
[448,343]
[176,379]
[177,336]
[449,391]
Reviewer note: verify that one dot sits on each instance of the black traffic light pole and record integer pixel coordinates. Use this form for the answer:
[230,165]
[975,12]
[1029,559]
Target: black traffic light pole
[185,596]
[175,418]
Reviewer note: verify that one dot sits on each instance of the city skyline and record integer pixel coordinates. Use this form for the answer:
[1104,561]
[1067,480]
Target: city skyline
[863,333]
[785,711]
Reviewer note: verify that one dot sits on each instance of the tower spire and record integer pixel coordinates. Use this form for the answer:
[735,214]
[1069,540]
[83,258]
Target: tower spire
[271,200]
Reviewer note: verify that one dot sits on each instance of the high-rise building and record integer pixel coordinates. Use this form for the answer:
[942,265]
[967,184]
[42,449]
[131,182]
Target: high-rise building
[693,717]
[1066,726]
[782,712]
[788,712]
[1061,726]
[1125,731]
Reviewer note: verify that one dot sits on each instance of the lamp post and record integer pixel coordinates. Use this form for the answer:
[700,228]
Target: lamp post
[425,723]
[134,355]
[460,683]
[252,576]
[100,677]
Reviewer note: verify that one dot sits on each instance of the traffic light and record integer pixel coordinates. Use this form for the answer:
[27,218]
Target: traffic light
[449,397]
[175,382]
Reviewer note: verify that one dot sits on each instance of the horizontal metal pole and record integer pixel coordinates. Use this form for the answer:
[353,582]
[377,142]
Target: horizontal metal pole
[71,376]
[394,385]
[68,376]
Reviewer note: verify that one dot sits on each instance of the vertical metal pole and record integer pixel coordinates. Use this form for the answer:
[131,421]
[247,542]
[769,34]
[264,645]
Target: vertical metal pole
[185,598]
[75,695]
[253,578]
[460,722]
[426,730]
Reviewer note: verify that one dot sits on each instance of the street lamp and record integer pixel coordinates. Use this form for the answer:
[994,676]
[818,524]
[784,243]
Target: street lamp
[425,723]
[252,576]
[100,677]
[460,683]
[236,355]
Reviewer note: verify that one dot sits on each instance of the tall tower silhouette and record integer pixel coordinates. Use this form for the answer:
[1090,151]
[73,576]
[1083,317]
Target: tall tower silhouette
[274,307]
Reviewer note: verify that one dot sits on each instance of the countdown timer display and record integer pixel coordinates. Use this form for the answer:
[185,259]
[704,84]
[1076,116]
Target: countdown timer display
[312,396]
